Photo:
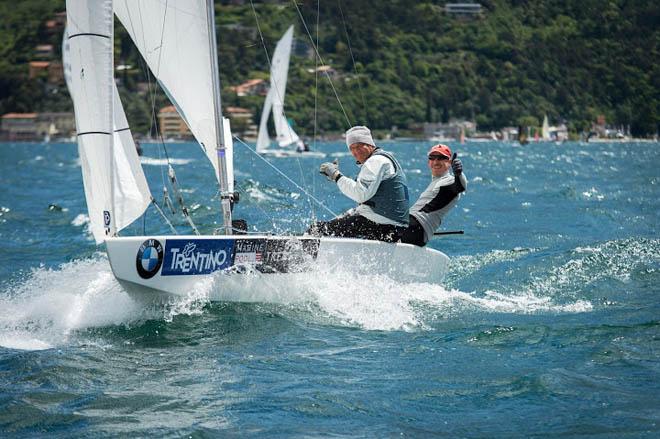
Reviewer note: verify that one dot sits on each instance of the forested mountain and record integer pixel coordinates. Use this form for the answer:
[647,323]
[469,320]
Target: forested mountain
[570,59]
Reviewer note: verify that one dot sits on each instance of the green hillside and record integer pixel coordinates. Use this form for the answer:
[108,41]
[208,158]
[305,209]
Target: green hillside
[572,60]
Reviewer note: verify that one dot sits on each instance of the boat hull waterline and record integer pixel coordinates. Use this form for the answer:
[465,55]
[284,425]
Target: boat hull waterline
[260,268]
[286,153]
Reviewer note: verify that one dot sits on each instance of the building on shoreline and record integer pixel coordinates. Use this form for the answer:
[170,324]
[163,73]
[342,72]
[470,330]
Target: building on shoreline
[51,69]
[241,122]
[171,125]
[439,132]
[252,87]
[17,127]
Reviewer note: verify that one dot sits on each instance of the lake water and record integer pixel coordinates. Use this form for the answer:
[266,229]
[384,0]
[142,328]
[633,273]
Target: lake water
[548,324]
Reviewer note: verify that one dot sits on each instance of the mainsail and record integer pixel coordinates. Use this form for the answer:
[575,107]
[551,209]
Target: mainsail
[173,38]
[115,187]
[279,72]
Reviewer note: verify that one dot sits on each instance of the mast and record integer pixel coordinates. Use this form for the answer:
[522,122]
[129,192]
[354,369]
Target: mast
[111,85]
[225,196]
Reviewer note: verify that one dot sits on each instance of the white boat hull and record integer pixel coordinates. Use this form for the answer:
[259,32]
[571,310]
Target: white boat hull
[281,153]
[259,268]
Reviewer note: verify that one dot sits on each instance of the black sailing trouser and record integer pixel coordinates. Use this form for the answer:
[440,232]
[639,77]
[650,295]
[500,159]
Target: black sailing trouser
[414,234]
[356,226]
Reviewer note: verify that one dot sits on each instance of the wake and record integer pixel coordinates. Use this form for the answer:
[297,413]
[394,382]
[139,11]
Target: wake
[50,306]
[44,310]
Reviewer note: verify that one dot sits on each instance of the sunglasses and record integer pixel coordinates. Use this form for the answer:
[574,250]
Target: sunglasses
[438,157]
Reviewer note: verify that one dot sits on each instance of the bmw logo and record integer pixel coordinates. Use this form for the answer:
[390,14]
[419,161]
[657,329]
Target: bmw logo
[149,258]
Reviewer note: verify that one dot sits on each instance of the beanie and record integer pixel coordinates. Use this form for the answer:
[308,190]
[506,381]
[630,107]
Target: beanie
[359,134]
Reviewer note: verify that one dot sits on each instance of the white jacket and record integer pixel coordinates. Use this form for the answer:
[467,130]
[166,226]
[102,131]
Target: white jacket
[374,170]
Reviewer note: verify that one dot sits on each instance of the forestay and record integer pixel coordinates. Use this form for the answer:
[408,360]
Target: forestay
[115,187]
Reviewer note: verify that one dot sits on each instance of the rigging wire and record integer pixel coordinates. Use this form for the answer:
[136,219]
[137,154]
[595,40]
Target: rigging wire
[263,211]
[152,94]
[179,196]
[150,87]
[153,201]
[357,75]
[302,19]
[320,203]
[153,98]
[316,99]
[270,67]
[280,98]
[316,74]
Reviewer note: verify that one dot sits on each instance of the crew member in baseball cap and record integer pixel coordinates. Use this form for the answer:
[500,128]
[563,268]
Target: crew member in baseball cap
[440,150]
[438,198]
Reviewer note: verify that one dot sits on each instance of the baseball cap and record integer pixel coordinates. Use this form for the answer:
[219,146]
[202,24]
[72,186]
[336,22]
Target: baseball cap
[440,149]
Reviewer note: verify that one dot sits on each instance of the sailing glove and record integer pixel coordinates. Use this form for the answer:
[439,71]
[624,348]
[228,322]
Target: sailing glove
[330,170]
[457,167]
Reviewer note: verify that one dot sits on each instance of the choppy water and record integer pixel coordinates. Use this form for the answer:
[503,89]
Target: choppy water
[547,326]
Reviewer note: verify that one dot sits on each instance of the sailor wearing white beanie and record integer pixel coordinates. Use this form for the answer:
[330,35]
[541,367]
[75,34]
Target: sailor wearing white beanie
[359,134]
[380,190]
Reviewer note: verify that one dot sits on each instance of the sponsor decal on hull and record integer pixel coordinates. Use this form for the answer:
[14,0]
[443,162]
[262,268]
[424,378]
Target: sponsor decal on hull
[196,256]
[149,258]
[249,252]
[289,255]
[185,257]
[275,255]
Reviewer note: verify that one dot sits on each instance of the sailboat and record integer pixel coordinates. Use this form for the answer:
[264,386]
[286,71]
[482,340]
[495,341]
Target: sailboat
[545,130]
[274,103]
[177,40]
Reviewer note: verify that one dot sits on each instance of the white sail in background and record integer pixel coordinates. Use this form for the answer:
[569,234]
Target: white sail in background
[279,71]
[131,192]
[90,24]
[263,141]
[173,39]
[285,134]
[545,129]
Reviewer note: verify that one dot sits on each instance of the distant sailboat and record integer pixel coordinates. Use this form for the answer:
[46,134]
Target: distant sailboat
[274,103]
[545,130]
[52,131]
